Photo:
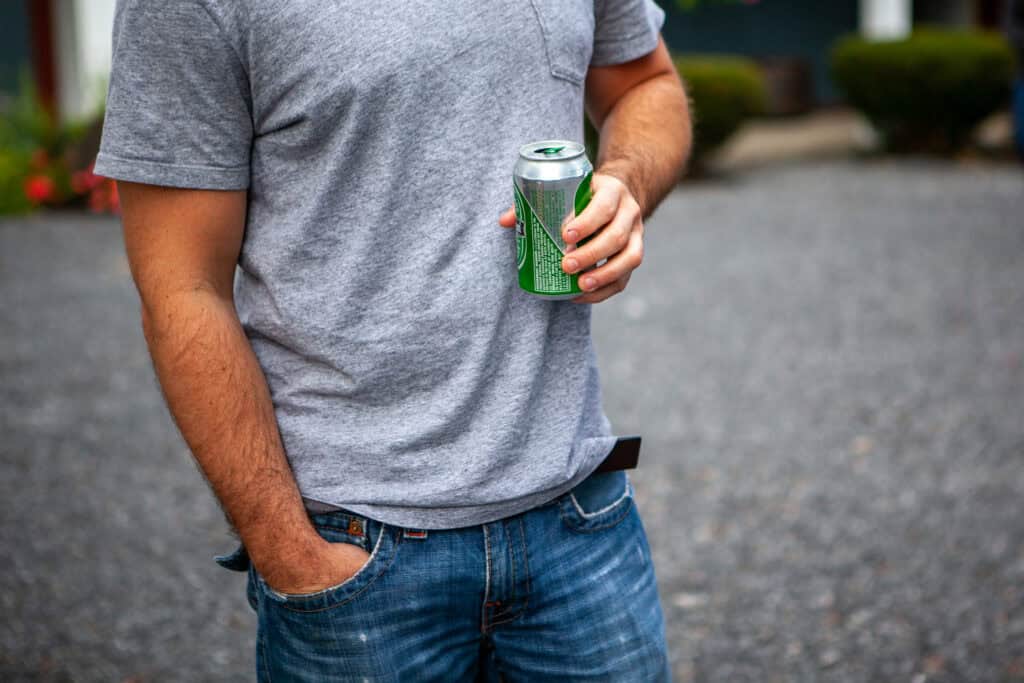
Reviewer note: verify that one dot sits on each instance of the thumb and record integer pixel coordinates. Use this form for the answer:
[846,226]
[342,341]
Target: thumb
[508,218]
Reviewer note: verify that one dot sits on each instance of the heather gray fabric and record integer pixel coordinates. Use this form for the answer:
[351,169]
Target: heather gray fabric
[412,381]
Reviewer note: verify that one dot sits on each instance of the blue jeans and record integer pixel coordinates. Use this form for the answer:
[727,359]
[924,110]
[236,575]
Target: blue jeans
[563,592]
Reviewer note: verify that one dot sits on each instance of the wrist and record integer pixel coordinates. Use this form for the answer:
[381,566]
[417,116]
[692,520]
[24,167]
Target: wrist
[622,171]
[281,551]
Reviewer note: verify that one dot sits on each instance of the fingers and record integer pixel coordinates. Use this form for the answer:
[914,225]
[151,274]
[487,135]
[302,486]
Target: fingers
[603,207]
[613,238]
[508,218]
[616,268]
[606,292]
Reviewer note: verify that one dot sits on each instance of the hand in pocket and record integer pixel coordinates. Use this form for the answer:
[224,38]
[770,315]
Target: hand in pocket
[330,564]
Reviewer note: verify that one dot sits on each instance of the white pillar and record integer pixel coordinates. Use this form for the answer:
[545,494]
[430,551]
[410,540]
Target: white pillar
[83,36]
[886,19]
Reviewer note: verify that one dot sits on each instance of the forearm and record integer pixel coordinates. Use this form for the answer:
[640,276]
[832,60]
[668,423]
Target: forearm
[645,139]
[219,398]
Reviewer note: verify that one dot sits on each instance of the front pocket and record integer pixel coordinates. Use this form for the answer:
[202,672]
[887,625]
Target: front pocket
[599,502]
[567,27]
[381,557]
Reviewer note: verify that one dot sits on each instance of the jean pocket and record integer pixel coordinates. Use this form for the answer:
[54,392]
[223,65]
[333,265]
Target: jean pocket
[236,561]
[601,501]
[567,27]
[384,545]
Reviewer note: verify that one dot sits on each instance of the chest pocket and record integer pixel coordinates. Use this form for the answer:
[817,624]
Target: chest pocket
[568,30]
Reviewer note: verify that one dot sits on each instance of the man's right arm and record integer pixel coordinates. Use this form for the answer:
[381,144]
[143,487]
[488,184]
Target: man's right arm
[182,247]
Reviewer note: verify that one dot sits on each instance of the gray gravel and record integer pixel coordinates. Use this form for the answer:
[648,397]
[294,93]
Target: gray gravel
[827,364]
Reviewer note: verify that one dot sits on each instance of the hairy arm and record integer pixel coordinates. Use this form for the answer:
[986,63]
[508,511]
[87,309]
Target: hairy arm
[643,117]
[182,247]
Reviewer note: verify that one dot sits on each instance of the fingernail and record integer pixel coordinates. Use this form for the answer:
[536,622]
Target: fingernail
[572,265]
[588,284]
[571,236]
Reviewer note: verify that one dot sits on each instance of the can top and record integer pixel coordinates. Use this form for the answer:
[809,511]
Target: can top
[551,150]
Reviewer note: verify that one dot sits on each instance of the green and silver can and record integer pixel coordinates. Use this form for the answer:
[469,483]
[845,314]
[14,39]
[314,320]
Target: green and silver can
[552,185]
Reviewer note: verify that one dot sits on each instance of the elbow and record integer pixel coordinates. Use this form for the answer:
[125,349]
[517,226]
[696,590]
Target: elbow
[156,310]
[148,323]
[184,313]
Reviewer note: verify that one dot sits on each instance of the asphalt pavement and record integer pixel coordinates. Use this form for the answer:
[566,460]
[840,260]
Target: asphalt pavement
[827,364]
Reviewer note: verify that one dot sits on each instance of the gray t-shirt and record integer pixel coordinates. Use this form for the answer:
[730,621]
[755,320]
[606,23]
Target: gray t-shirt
[412,381]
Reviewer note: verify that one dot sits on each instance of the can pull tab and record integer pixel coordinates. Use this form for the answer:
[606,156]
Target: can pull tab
[549,151]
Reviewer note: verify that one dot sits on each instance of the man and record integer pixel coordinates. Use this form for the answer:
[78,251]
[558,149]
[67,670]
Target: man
[401,438]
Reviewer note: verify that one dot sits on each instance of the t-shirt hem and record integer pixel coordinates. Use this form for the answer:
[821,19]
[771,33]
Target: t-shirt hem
[457,517]
[172,175]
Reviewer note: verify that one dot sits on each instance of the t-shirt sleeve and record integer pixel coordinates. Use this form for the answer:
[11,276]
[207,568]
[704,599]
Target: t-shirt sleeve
[625,30]
[179,109]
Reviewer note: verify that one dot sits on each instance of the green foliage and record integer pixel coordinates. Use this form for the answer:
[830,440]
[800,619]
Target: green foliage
[927,92]
[26,125]
[14,169]
[37,154]
[724,92]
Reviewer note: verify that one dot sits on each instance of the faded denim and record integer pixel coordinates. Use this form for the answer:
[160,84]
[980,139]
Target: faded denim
[563,592]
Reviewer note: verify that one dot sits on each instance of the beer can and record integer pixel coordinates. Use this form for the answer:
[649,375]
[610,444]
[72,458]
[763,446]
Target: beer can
[552,185]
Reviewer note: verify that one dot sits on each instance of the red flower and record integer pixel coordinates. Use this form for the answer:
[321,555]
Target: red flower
[104,197]
[85,181]
[39,189]
[97,200]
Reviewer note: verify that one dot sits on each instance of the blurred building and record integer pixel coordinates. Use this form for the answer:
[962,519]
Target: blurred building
[792,38]
[63,46]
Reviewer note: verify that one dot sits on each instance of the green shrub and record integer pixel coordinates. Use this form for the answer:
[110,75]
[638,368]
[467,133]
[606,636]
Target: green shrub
[724,92]
[40,157]
[14,170]
[927,92]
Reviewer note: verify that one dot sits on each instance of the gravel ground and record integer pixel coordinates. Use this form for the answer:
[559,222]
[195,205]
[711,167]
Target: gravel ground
[827,364]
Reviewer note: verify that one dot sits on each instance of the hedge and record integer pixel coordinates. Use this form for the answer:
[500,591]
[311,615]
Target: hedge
[926,93]
[724,92]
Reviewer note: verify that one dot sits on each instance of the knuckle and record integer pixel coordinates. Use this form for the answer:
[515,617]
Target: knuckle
[621,240]
[606,204]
